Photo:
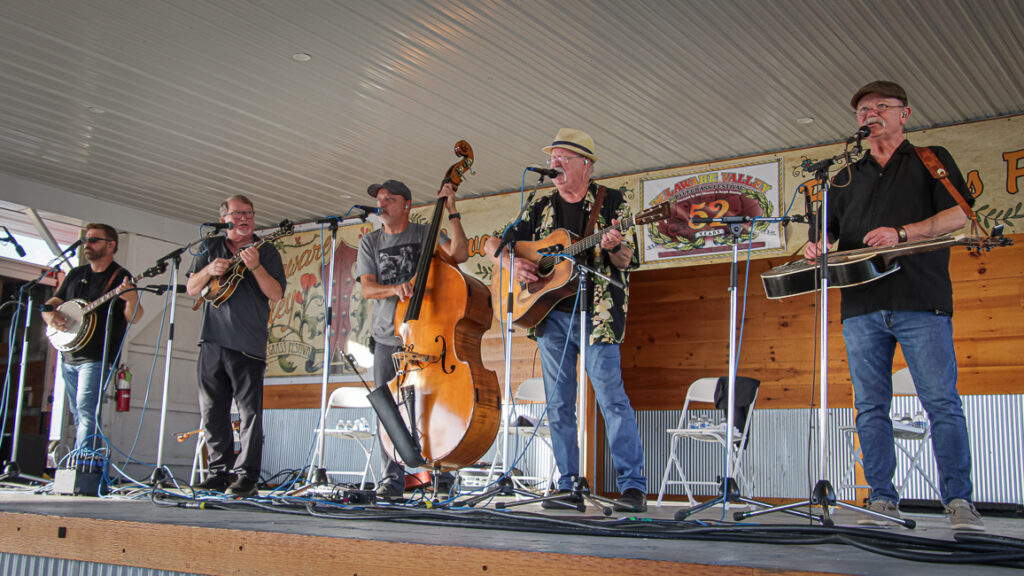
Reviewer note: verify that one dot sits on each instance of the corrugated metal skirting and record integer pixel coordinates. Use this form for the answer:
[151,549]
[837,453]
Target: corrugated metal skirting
[781,461]
[290,439]
[22,565]
[782,457]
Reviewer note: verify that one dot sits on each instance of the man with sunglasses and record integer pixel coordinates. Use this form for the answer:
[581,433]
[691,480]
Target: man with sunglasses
[83,369]
[887,198]
[577,198]
[233,348]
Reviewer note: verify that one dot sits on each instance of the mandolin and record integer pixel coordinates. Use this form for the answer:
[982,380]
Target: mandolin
[219,289]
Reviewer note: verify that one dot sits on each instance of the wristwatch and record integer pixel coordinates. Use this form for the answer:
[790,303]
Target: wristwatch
[901,233]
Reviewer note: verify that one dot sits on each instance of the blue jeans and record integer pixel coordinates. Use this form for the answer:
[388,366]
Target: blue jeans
[927,341]
[604,369]
[82,387]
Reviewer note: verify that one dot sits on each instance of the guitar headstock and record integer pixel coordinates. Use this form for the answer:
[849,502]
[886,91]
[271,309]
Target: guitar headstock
[995,240]
[285,227]
[654,213]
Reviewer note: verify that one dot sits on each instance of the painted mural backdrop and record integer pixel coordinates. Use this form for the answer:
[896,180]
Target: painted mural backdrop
[296,342]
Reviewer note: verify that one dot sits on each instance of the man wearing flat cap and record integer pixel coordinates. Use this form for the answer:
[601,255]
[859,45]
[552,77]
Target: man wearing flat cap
[582,207]
[385,267]
[887,198]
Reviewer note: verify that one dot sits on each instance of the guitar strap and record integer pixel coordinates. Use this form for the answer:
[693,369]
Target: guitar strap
[595,211]
[939,172]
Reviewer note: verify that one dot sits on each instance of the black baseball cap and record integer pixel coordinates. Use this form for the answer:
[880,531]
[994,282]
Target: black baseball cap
[393,186]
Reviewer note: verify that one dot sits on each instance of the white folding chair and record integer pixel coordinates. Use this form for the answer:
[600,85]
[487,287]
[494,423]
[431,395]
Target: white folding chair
[911,441]
[702,391]
[350,397]
[532,391]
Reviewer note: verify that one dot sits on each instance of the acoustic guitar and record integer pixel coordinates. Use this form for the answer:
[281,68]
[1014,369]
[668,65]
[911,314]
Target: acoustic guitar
[860,266]
[219,289]
[557,278]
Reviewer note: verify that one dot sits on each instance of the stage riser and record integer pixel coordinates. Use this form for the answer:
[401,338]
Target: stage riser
[124,548]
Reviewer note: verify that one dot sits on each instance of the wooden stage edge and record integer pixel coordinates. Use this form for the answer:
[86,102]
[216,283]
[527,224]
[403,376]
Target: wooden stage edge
[216,551]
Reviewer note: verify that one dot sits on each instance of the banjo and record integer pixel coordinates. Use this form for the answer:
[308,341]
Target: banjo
[81,322]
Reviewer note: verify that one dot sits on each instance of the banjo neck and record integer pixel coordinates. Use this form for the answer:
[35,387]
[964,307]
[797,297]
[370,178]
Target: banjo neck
[106,297]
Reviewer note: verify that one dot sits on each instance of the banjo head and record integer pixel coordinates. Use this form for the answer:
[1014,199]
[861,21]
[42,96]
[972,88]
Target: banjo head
[77,329]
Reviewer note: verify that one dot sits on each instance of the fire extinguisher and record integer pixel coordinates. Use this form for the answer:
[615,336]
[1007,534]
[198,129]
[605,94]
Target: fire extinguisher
[123,383]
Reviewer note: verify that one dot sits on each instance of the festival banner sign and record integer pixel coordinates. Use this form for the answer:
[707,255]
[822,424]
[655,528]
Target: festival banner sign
[748,190]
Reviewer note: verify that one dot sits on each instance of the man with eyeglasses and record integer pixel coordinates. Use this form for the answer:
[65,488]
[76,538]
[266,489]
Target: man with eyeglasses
[582,207]
[887,198]
[233,348]
[83,369]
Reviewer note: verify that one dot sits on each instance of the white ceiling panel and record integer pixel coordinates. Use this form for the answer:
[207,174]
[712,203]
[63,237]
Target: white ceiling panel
[170,106]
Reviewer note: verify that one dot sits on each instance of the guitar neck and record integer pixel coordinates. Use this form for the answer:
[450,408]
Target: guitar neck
[889,252]
[595,238]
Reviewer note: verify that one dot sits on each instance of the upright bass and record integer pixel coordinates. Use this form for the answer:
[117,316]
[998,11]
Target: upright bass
[452,402]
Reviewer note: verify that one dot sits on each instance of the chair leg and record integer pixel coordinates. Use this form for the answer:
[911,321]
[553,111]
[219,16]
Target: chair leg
[200,461]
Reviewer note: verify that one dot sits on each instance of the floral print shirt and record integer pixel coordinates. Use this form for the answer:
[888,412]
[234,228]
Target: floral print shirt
[609,303]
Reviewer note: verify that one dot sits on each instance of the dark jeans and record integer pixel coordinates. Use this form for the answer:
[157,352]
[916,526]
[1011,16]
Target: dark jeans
[224,375]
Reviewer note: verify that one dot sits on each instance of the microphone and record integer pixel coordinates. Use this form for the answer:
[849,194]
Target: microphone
[549,172]
[17,247]
[862,132]
[72,248]
[161,288]
[367,209]
[219,225]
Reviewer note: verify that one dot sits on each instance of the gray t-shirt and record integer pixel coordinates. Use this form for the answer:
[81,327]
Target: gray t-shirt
[241,322]
[392,259]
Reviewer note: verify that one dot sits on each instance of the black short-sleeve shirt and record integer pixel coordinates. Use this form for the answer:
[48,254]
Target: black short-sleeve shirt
[902,192]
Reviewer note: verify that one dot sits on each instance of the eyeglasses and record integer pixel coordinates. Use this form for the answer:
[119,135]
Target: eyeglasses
[563,160]
[880,109]
[95,239]
[241,214]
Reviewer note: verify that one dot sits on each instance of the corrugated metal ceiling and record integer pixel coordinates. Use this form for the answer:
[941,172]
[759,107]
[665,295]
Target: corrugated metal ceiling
[170,106]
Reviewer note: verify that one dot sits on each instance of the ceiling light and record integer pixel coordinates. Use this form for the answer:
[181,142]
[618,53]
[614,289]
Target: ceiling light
[805,120]
[301,57]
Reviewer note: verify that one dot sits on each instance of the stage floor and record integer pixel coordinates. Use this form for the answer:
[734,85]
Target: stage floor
[267,536]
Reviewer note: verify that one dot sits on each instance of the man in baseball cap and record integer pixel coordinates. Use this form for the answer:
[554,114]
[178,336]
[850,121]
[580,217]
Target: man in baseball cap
[385,268]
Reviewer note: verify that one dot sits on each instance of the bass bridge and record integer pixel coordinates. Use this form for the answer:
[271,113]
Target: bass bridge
[408,360]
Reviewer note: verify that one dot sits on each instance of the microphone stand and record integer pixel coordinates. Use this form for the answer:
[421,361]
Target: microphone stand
[11,470]
[507,486]
[730,488]
[580,491]
[317,475]
[823,494]
[158,478]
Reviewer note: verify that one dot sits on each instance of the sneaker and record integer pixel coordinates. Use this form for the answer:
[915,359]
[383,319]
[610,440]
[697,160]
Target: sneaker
[390,491]
[243,488]
[568,501]
[216,482]
[881,507]
[632,500]
[964,516]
